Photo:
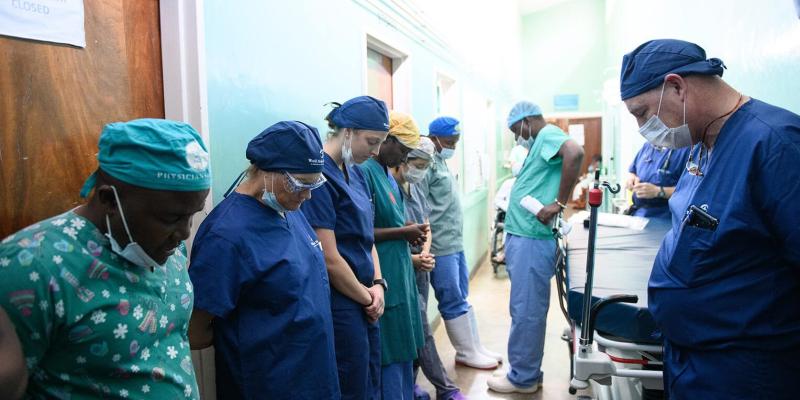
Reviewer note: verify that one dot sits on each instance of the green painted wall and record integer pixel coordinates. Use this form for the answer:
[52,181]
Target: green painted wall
[269,61]
[563,52]
[577,47]
[759,42]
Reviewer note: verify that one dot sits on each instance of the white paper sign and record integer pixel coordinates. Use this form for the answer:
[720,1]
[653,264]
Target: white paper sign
[58,21]
[576,132]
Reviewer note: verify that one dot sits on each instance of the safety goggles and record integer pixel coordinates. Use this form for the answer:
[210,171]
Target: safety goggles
[295,186]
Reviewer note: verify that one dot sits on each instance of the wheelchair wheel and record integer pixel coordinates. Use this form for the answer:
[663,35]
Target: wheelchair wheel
[497,255]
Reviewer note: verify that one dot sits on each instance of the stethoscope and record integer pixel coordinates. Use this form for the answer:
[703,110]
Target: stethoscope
[664,170]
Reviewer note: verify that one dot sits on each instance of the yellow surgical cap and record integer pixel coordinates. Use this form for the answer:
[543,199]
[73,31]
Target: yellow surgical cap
[403,127]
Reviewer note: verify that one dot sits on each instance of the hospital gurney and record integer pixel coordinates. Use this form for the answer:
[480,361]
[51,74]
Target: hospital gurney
[619,354]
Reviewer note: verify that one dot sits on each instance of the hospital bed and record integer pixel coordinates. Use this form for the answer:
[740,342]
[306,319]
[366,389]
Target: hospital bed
[623,361]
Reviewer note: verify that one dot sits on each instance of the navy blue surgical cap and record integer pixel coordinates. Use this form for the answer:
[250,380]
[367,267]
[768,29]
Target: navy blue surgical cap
[289,146]
[645,68]
[362,112]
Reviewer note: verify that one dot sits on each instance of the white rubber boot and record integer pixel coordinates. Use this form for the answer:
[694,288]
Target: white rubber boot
[474,326]
[461,336]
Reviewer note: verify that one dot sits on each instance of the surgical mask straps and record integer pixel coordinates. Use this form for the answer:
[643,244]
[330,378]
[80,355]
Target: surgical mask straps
[270,199]
[661,98]
[133,252]
[122,215]
[527,143]
[347,148]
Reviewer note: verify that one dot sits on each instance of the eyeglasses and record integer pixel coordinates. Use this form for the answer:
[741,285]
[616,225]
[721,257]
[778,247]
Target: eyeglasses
[294,185]
[694,167]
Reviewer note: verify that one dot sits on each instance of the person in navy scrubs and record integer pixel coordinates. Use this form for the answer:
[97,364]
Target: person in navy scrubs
[341,213]
[653,175]
[262,296]
[725,285]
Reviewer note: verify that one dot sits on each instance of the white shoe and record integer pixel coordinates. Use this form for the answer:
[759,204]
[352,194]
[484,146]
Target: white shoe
[473,319]
[461,336]
[501,384]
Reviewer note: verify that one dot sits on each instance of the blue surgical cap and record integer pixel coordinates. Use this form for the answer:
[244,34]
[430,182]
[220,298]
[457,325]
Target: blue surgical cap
[154,154]
[289,146]
[444,126]
[645,68]
[521,110]
[362,112]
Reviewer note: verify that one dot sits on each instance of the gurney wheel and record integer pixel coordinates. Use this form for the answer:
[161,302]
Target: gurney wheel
[572,390]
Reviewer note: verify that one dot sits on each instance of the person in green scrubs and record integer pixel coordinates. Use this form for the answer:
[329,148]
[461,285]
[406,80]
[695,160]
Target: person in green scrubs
[548,175]
[401,326]
[100,295]
[12,369]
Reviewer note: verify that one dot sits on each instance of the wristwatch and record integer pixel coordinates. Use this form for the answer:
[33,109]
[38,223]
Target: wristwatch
[381,282]
[662,194]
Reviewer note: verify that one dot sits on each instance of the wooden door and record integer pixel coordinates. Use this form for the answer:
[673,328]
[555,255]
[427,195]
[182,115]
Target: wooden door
[592,136]
[592,146]
[379,77]
[592,139]
[55,100]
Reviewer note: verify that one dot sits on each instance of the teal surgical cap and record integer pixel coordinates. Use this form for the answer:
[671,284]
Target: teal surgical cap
[521,110]
[154,154]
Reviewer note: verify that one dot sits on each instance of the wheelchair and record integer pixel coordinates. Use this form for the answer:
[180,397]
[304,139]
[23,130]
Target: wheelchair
[497,255]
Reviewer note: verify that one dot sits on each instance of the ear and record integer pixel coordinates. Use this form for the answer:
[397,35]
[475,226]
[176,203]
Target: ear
[677,83]
[104,195]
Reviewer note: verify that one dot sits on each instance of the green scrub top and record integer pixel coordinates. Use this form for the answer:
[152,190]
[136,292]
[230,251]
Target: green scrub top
[447,222]
[540,178]
[401,326]
[93,325]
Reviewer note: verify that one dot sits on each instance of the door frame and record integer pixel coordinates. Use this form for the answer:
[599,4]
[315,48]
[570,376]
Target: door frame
[183,63]
[401,67]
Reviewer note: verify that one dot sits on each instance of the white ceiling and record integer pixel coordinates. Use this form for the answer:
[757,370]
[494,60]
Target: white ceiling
[529,6]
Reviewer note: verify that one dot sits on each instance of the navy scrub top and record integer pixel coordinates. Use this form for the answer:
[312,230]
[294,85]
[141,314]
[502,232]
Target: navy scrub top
[737,286]
[345,207]
[264,279]
[661,167]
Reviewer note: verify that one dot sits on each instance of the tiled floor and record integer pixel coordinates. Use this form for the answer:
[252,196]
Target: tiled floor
[489,296]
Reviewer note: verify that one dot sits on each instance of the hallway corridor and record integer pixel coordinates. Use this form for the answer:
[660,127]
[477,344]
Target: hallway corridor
[489,295]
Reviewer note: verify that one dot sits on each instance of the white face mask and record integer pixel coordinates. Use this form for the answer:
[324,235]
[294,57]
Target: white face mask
[132,252]
[660,135]
[414,174]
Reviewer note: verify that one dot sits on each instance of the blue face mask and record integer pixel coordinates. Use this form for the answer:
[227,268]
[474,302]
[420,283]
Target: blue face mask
[446,153]
[269,198]
[526,143]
